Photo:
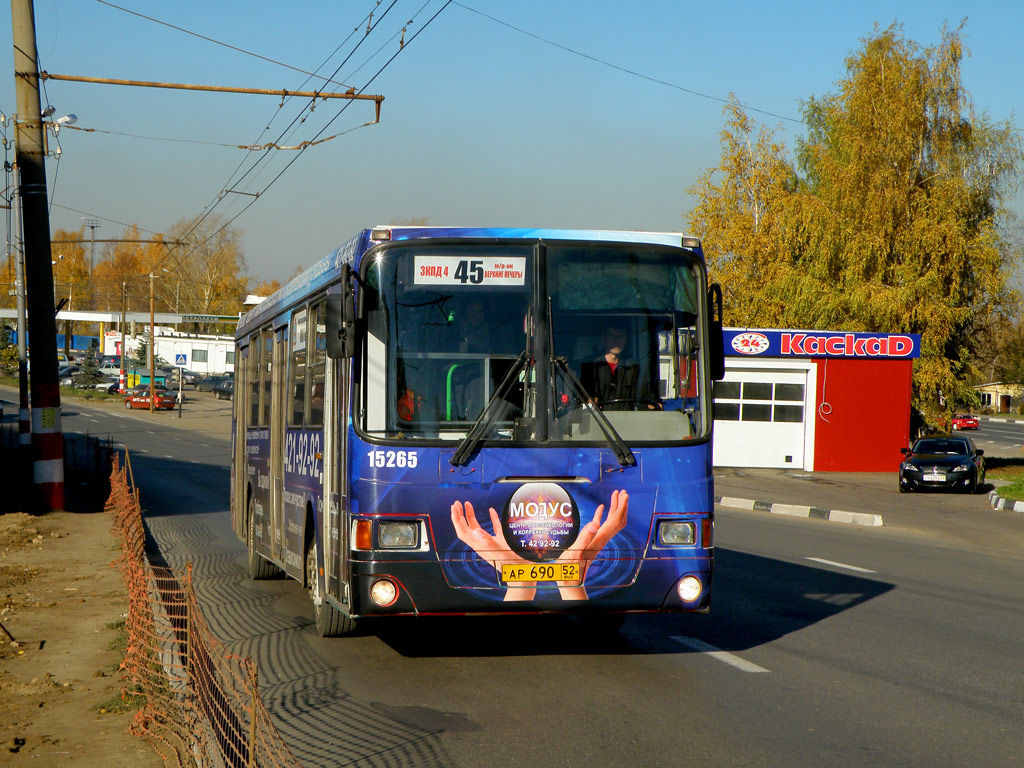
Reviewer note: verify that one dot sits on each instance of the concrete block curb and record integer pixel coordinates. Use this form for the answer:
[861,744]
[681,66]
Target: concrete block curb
[998,502]
[799,510]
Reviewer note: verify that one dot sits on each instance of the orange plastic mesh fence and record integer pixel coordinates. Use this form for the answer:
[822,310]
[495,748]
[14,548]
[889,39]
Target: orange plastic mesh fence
[198,705]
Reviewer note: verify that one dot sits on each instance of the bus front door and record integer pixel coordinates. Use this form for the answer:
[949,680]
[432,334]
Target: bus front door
[335,521]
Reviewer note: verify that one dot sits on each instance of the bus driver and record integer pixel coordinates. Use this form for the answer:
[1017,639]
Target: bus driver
[614,381]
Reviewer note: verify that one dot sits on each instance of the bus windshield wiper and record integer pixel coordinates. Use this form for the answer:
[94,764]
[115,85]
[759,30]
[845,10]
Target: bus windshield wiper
[490,412]
[622,451]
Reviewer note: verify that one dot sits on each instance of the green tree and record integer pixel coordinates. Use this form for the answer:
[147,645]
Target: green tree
[90,369]
[890,220]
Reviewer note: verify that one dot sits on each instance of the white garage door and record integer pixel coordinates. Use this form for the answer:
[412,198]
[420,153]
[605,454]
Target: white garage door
[760,418]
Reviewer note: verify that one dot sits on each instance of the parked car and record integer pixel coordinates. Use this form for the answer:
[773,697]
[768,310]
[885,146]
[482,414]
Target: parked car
[66,375]
[224,390]
[207,384]
[109,384]
[188,378]
[138,397]
[965,421]
[942,462]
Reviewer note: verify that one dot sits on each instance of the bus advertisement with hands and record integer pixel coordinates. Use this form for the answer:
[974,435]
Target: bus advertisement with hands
[539,540]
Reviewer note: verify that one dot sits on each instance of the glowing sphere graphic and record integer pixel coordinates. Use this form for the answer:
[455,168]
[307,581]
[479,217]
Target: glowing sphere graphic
[540,521]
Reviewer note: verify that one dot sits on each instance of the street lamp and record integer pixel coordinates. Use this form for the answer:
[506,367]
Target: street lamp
[54,125]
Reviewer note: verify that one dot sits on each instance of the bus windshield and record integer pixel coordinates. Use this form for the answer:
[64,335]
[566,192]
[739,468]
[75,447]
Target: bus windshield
[612,328]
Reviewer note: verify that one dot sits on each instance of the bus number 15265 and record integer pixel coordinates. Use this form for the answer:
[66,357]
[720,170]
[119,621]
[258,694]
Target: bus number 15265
[400,459]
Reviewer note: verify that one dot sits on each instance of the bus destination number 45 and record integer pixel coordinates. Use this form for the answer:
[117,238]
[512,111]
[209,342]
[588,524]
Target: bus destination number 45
[452,270]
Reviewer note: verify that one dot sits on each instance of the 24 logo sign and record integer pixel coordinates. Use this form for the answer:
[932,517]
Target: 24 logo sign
[750,343]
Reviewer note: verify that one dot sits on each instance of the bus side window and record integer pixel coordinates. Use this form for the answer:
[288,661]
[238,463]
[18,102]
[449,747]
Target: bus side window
[266,375]
[317,365]
[297,368]
[252,366]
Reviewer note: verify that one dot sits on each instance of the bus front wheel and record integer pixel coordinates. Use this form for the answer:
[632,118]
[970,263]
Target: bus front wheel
[330,621]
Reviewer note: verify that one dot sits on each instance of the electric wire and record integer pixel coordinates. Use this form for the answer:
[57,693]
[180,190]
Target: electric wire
[624,70]
[216,42]
[154,138]
[297,121]
[258,162]
[340,112]
[281,105]
[89,215]
[299,117]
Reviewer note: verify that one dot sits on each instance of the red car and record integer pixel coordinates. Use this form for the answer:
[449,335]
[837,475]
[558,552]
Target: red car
[139,398]
[965,421]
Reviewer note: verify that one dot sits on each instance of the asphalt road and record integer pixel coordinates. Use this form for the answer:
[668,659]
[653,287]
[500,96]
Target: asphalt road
[999,438]
[827,644]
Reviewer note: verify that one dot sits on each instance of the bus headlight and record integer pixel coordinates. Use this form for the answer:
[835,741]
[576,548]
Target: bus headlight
[384,592]
[391,535]
[674,533]
[688,588]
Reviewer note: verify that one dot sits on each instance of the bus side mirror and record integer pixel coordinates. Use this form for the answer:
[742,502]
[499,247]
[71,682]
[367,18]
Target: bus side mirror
[716,339]
[341,321]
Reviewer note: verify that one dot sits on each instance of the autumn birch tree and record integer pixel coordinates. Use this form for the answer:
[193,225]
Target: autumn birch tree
[893,218]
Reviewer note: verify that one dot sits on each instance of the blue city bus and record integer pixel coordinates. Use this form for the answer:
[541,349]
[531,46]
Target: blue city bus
[470,421]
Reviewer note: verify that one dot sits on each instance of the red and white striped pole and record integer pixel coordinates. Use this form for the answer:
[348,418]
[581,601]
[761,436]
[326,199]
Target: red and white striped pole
[30,153]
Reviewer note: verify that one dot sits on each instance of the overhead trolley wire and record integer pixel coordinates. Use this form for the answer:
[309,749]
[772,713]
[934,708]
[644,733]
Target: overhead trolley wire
[217,42]
[322,130]
[624,70]
[234,179]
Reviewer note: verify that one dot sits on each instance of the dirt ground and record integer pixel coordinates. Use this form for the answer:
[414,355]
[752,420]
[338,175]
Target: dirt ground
[62,600]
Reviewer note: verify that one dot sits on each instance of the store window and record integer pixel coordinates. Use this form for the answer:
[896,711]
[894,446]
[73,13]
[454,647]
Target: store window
[760,401]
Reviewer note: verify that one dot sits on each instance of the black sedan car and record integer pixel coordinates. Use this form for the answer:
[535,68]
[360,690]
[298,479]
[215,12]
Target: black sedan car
[224,390]
[943,463]
[207,384]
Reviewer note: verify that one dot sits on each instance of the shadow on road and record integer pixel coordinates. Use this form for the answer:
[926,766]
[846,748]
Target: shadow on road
[756,600]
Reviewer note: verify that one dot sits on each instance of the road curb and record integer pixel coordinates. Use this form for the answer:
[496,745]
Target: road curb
[1000,419]
[799,510]
[998,502]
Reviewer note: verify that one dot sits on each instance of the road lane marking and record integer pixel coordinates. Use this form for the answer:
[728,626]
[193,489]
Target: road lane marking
[841,565]
[716,653]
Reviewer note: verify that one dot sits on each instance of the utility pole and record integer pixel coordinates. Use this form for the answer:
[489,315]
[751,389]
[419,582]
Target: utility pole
[24,415]
[152,343]
[47,433]
[121,384]
[91,224]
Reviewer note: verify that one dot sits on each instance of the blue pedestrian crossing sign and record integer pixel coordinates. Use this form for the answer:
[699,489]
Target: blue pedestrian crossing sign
[181,359]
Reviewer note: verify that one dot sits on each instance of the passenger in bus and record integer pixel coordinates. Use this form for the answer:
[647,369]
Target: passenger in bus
[475,331]
[616,382]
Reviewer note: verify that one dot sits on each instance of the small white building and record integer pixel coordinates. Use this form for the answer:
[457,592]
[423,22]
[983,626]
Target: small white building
[203,353]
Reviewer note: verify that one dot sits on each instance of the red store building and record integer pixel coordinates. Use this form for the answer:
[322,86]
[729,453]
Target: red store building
[814,400]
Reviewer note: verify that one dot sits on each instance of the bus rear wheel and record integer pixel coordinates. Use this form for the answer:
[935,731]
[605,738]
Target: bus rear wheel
[329,619]
[259,567]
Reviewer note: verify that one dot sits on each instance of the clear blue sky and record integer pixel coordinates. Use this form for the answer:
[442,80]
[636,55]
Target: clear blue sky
[482,124]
